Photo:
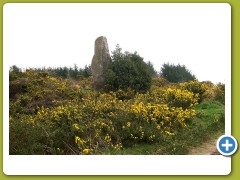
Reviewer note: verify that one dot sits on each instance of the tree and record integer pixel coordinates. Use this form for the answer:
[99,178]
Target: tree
[73,72]
[151,69]
[15,69]
[176,73]
[128,70]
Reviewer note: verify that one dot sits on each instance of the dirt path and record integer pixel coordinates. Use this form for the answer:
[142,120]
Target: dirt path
[207,148]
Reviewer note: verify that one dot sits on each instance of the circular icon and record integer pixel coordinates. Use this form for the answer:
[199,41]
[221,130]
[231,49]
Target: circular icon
[227,145]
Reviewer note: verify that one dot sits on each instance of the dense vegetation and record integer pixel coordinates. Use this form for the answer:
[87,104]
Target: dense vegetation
[55,114]
[176,73]
[128,70]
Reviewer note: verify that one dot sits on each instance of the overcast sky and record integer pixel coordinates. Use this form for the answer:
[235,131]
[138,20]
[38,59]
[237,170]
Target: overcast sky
[54,35]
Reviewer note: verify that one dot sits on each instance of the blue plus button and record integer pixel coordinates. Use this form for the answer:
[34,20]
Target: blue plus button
[227,145]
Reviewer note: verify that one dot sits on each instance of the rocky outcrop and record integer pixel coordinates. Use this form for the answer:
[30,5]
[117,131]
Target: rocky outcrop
[100,61]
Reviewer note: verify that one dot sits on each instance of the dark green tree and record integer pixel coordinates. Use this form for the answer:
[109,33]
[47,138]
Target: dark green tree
[151,69]
[176,73]
[128,70]
[73,72]
[15,69]
[86,72]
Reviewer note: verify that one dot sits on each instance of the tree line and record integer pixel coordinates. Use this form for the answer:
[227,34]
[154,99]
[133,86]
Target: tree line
[64,72]
[126,70]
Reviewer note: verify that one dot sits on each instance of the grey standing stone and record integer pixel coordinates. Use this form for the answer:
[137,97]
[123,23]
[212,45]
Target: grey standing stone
[100,61]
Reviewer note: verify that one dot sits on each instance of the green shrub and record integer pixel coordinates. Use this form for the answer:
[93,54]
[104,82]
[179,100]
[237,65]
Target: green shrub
[128,70]
[25,137]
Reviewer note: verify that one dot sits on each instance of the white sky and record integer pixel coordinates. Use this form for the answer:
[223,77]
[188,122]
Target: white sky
[53,35]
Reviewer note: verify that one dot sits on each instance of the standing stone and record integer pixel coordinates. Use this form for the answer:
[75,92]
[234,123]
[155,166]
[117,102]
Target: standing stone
[100,61]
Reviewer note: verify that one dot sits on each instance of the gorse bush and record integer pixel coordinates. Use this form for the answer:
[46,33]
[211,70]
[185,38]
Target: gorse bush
[181,98]
[199,88]
[219,92]
[159,82]
[56,114]
[128,70]
[32,90]
[171,96]
[176,73]
[105,122]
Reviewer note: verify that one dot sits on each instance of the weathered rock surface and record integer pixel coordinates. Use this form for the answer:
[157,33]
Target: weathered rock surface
[100,61]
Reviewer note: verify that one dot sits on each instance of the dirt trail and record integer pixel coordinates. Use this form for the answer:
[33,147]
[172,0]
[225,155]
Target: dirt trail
[206,148]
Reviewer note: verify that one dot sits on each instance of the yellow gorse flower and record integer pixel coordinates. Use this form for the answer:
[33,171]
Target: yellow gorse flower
[169,133]
[107,138]
[76,126]
[86,151]
[79,141]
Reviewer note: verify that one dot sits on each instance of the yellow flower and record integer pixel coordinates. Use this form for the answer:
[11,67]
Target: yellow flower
[76,126]
[169,133]
[167,118]
[77,139]
[128,124]
[86,151]
[107,138]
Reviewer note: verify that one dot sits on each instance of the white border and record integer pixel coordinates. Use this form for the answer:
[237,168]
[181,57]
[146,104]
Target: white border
[117,164]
